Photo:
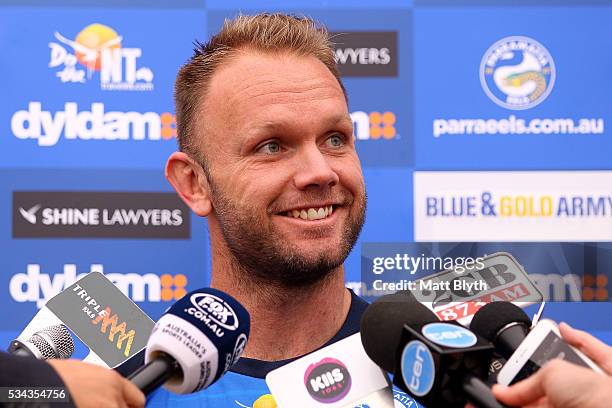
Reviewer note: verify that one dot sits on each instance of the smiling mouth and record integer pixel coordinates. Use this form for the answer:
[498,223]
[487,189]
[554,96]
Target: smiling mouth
[311,213]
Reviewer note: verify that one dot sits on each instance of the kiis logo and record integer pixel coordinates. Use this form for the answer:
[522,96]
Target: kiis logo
[93,124]
[374,125]
[328,380]
[517,73]
[98,48]
[34,286]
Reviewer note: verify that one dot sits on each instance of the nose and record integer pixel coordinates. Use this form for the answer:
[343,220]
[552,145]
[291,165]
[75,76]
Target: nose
[313,170]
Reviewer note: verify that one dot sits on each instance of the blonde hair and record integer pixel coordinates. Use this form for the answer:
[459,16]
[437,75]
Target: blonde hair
[261,32]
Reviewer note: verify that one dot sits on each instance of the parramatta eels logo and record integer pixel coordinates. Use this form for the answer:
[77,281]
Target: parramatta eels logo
[517,73]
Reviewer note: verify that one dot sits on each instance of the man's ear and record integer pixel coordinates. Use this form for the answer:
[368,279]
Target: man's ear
[190,182]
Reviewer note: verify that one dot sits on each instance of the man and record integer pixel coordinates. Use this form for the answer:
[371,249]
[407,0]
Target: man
[88,385]
[267,154]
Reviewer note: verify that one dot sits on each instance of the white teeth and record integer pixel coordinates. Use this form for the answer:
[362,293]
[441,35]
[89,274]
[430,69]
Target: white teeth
[312,213]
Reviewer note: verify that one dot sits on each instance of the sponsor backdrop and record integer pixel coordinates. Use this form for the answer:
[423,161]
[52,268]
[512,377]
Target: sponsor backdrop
[475,122]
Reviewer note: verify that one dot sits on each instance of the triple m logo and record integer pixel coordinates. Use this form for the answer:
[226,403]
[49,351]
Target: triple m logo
[98,49]
[34,286]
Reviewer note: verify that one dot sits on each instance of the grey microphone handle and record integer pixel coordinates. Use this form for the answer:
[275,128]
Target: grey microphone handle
[17,349]
[479,394]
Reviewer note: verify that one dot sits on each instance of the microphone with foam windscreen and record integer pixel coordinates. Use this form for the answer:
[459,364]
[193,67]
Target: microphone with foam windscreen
[50,342]
[439,364]
[503,324]
[194,343]
[384,320]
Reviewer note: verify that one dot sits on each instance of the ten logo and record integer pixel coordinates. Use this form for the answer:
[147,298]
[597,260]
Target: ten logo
[449,335]
[328,380]
[418,371]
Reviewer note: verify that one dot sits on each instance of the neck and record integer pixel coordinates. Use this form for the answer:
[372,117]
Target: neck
[285,322]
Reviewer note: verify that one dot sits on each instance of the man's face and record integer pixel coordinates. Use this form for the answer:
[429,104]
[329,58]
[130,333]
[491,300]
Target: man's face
[287,187]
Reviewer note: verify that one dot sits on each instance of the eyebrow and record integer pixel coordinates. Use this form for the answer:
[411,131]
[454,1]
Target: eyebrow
[269,126]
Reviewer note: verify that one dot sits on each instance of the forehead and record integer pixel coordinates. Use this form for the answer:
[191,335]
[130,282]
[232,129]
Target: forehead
[258,88]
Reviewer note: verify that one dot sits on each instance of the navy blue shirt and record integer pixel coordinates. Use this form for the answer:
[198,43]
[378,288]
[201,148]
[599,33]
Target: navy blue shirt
[244,386]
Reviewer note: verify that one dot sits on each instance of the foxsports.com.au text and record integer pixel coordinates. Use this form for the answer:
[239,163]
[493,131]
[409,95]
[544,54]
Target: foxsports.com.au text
[516,126]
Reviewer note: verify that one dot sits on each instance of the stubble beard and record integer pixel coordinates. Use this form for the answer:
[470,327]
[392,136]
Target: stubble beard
[263,256]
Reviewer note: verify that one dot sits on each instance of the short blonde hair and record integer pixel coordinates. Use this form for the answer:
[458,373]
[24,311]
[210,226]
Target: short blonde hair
[261,32]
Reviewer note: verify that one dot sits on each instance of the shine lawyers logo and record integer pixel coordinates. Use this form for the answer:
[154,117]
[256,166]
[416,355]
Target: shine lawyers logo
[76,214]
[366,53]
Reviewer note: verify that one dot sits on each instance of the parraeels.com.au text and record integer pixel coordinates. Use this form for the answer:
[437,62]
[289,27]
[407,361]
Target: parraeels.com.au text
[517,126]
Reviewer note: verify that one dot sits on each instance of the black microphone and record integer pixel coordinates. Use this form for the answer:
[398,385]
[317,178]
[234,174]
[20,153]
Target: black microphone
[385,319]
[438,363]
[502,323]
[194,343]
[50,342]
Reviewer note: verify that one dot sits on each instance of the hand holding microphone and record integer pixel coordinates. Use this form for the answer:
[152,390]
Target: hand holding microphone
[194,343]
[440,364]
[93,386]
[562,384]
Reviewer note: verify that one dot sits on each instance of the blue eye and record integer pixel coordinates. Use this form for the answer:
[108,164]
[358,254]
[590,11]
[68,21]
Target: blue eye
[335,140]
[271,147]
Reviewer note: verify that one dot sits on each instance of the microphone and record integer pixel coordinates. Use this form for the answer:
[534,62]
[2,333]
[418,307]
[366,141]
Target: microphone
[194,343]
[338,375]
[51,342]
[384,319]
[503,324]
[439,364]
[99,314]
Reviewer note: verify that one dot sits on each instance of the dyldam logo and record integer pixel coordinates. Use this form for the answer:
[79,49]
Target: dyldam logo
[374,125]
[95,123]
[328,380]
[34,286]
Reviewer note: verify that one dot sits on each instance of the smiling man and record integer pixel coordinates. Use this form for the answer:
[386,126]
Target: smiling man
[267,154]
